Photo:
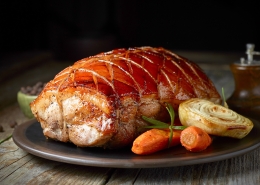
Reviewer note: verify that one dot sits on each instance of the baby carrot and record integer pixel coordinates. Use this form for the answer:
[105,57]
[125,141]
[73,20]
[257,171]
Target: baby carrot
[195,139]
[155,140]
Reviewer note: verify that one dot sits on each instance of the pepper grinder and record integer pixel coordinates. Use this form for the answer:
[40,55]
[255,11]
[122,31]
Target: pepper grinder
[245,99]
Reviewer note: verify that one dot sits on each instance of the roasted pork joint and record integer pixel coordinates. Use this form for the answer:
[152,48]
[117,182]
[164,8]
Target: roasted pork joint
[99,101]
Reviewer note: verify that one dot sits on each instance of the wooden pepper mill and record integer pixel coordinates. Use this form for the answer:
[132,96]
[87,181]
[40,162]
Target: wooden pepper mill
[246,96]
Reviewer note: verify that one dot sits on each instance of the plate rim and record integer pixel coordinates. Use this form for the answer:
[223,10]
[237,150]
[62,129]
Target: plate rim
[22,141]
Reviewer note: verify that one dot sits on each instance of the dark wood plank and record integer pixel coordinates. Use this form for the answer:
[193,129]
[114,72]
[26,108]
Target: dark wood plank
[124,176]
[19,167]
[8,116]
[242,170]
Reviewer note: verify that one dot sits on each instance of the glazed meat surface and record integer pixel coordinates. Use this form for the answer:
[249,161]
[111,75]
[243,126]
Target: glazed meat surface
[99,101]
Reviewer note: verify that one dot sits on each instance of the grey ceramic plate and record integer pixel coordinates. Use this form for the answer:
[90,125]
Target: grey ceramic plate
[29,137]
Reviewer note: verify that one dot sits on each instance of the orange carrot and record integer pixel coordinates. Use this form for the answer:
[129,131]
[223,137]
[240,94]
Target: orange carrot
[195,139]
[155,140]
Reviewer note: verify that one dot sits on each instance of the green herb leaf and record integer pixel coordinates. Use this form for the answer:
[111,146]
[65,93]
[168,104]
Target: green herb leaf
[178,127]
[224,99]
[156,126]
[171,112]
[155,122]
[172,115]
[3,140]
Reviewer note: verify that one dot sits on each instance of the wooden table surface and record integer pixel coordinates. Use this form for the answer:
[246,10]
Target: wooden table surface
[20,167]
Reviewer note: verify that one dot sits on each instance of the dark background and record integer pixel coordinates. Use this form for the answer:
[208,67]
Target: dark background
[73,29]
